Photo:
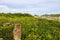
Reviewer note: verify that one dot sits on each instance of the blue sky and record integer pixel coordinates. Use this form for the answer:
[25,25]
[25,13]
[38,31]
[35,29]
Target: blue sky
[37,7]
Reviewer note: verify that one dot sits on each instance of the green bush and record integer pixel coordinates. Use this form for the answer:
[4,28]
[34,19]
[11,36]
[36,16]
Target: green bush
[32,28]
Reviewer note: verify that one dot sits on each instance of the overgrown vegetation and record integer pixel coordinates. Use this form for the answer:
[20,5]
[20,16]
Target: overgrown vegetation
[32,28]
[52,15]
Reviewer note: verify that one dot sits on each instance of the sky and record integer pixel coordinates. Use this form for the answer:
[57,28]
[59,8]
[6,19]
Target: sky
[35,7]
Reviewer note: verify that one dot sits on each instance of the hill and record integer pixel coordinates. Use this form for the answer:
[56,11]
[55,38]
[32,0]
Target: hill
[51,16]
[32,28]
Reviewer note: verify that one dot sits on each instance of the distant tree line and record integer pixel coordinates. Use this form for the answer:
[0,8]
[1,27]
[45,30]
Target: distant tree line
[15,14]
[52,15]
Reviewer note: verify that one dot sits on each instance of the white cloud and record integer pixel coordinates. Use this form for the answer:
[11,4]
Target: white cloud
[5,9]
[20,2]
[30,6]
[31,10]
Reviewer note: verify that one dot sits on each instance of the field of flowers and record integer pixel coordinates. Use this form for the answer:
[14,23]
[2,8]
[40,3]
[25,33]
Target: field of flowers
[32,28]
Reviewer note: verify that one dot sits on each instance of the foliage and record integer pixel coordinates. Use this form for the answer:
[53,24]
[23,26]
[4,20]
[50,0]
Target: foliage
[32,28]
[52,15]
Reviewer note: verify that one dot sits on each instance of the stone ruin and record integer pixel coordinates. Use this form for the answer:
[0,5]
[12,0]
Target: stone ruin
[17,32]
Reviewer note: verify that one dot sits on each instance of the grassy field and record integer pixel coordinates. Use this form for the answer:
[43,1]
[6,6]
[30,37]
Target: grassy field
[32,28]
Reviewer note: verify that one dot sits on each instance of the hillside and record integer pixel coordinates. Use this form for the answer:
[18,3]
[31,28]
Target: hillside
[51,16]
[32,28]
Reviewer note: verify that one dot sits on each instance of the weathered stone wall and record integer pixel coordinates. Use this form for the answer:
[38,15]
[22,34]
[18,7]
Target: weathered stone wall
[17,32]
